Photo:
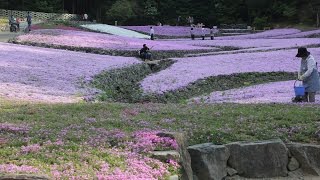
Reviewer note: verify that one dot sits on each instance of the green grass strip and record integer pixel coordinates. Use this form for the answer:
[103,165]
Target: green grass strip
[123,85]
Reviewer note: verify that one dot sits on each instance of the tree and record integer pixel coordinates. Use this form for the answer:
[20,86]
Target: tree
[4,4]
[284,10]
[120,11]
[258,8]
[315,6]
[150,10]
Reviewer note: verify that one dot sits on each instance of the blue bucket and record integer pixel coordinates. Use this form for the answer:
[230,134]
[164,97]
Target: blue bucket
[299,90]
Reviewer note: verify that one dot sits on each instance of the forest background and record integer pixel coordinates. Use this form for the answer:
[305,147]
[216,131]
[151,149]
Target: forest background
[258,13]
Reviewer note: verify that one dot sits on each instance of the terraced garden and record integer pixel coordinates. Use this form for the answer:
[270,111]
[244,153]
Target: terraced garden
[78,104]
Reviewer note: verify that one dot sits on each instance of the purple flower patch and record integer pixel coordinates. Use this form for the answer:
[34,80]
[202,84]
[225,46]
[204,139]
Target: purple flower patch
[188,70]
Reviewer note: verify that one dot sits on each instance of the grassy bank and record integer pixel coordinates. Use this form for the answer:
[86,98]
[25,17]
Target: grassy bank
[89,140]
[123,85]
[216,123]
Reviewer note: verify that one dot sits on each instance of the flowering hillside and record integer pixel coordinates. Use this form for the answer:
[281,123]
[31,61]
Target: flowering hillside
[188,70]
[49,75]
[175,31]
[98,40]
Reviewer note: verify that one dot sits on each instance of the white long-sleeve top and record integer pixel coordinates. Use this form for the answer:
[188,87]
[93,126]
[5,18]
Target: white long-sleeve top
[308,63]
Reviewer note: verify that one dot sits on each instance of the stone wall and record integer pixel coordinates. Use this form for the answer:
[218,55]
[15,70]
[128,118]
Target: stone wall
[40,15]
[265,159]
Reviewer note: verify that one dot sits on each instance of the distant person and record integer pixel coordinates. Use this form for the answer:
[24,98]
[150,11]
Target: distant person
[151,33]
[18,23]
[12,20]
[145,52]
[178,20]
[212,33]
[308,74]
[13,24]
[190,20]
[85,17]
[203,33]
[192,33]
[29,21]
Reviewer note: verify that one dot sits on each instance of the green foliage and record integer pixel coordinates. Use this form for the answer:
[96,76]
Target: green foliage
[4,4]
[150,9]
[122,85]
[120,11]
[209,12]
[50,6]
[218,123]
[259,23]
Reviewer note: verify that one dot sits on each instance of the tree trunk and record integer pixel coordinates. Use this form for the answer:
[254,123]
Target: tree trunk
[73,7]
[318,20]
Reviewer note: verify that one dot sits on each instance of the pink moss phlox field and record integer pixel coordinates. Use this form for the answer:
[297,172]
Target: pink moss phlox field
[37,27]
[12,168]
[98,40]
[188,70]
[33,148]
[175,31]
[49,75]
[146,141]
[261,35]
[14,128]
[301,34]
[138,167]
[257,43]
[125,161]
[277,92]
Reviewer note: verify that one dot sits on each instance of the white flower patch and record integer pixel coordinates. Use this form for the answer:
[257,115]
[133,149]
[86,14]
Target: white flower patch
[115,30]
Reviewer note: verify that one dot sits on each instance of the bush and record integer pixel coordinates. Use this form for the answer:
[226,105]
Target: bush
[260,23]
[120,11]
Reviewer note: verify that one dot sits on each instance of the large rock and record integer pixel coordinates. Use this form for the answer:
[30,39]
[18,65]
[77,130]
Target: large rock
[231,171]
[293,164]
[308,156]
[259,159]
[209,161]
[185,159]
[166,155]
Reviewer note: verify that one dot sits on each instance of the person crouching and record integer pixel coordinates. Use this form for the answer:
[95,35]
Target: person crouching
[145,52]
[308,74]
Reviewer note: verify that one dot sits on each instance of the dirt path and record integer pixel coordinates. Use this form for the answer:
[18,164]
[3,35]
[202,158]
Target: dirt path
[5,36]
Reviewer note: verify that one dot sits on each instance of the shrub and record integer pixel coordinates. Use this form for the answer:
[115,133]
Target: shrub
[122,85]
[260,22]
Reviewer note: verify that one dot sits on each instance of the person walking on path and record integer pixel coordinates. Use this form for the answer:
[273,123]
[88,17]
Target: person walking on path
[308,74]
[192,33]
[29,20]
[151,33]
[212,34]
[203,33]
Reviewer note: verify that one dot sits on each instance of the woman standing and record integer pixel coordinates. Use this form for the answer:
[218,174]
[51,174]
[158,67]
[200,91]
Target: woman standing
[203,33]
[308,74]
